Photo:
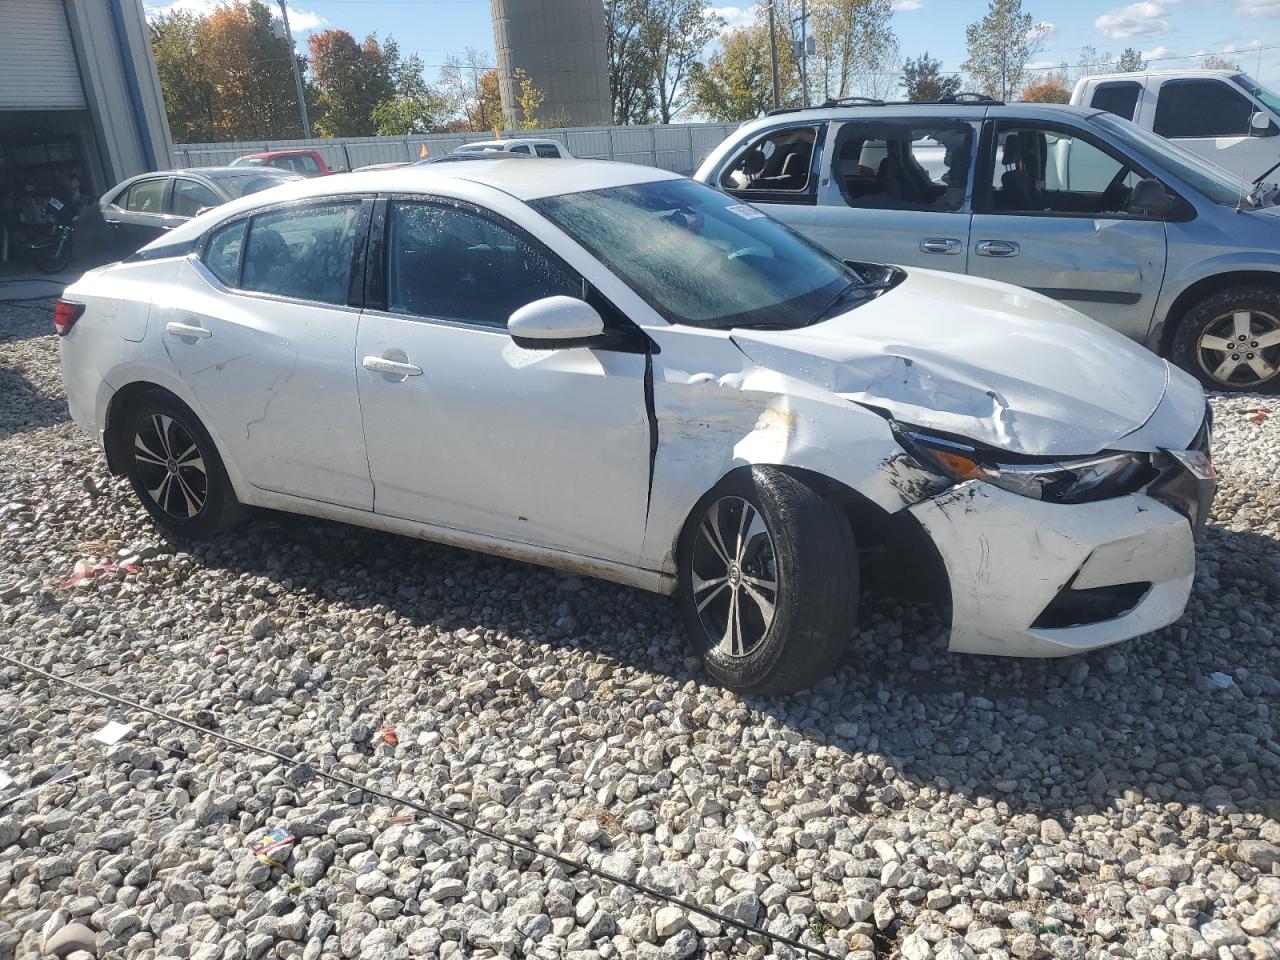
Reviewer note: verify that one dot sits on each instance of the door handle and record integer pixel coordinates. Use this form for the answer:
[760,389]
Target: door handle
[943,245]
[998,248]
[190,330]
[393,367]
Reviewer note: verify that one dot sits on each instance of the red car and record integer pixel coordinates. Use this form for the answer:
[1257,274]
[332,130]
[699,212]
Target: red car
[309,163]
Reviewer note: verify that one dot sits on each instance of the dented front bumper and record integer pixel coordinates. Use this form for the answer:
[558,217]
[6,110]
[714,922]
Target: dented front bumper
[1036,579]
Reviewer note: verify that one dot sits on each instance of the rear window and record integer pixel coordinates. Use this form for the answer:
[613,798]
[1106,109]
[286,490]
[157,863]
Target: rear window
[1120,98]
[251,183]
[546,150]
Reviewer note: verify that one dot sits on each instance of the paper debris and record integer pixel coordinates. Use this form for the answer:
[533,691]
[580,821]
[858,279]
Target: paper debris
[745,837]
[113,732]
[596,758]
[277,838]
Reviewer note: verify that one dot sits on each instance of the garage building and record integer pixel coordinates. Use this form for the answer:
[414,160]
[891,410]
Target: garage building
[80,106]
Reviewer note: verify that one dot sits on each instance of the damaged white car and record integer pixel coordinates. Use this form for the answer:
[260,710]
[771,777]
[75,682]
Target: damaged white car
[613,370]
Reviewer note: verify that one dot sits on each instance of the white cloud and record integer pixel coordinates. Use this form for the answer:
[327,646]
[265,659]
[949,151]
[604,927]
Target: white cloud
[300,21]
[906,6]
[733,17]
[1145,19]
[1159,53]
[1043,65]
[305,21]
[1259,8]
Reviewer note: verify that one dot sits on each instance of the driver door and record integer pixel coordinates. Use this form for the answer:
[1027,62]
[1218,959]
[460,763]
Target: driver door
[1051,215]
[468,430]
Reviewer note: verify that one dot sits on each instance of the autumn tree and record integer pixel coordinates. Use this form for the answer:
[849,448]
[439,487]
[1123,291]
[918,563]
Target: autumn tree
[924,80]
[1000,46]
[1130,62]
[469,87]
[734,83]
[190,96]
[350,80]
[1052,86]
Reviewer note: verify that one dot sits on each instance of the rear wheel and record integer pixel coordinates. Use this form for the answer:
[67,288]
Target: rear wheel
[768,582]
[1230,340]
[175,469]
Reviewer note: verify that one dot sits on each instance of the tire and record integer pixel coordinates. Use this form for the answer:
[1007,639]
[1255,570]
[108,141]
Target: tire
[56,257]
[175,469]
[798,540]
[1222,318]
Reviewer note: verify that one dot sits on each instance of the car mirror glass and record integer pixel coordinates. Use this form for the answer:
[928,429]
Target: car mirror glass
[554,322]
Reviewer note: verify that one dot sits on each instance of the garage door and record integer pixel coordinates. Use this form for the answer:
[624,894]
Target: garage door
[37,62]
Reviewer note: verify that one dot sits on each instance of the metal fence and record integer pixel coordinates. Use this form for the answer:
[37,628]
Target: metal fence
[676,147]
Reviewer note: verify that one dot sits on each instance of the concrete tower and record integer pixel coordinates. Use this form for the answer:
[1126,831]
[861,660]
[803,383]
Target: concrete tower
[560,44]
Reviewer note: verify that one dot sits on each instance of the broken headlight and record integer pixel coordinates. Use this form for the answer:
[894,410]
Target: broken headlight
[1065,480]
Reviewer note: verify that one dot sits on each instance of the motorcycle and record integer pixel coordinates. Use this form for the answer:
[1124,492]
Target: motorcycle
[52,249]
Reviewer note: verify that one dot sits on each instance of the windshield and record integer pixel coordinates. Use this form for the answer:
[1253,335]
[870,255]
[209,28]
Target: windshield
[702,258]
[1217,184]
[236,186]
[1268,97]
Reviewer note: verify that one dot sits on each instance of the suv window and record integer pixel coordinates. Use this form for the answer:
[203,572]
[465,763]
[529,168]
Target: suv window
[1119,97]
[777,162]
[302,252]
[1202,108]
[520,148]
[546,150]
[190,197]
[1042,170]
[222,255]
[145,196]
[451,263]
[903,164]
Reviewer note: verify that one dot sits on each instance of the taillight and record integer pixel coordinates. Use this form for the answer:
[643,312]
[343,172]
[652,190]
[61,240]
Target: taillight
[65,315]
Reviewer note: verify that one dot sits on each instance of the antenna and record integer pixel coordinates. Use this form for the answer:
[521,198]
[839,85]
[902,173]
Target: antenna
[1244,157]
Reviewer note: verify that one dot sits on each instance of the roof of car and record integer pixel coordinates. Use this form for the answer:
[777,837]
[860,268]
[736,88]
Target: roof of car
[958,111]
[279,153]
[474,144]
[1198,72]
[216,172]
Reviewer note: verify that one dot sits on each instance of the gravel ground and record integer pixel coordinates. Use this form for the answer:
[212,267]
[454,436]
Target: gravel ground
[1120,804]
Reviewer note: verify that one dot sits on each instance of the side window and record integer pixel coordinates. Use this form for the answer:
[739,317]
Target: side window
[520,148]
[1201,108]
[1120,98]
[302,252]
[903,165]
[306,164]
[451,263]
[190,197]
[546,150]
[777,162]
[222,255]
[1050,171]
[145,196]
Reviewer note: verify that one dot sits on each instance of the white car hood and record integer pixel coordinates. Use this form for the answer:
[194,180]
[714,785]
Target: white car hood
[980,359]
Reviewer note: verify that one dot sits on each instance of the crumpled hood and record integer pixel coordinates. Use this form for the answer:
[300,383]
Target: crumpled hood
[980,359]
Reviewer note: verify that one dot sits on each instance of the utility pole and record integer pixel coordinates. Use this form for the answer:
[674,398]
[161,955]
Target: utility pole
[802,53]
[297,74]
[773,57]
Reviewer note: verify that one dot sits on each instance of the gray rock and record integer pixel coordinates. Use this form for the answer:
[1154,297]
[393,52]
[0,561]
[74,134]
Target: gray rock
[682,945]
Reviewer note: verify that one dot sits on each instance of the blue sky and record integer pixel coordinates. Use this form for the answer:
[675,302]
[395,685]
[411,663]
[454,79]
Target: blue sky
[1176,32]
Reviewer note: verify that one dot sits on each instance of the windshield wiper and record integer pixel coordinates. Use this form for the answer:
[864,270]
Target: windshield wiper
[839,298]
[1268,172]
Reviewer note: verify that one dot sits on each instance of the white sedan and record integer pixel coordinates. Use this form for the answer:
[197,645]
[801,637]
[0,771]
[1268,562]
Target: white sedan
[617,371]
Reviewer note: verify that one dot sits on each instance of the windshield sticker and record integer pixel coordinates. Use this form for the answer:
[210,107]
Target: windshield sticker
[745,211]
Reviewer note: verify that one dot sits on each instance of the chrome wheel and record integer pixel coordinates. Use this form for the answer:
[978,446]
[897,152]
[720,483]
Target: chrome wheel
[1240,349]
[735,577]
[170,466]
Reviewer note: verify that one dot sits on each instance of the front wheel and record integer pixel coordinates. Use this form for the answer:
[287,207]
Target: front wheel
[1230,340]
[56,256]
[768,582]
[175,469]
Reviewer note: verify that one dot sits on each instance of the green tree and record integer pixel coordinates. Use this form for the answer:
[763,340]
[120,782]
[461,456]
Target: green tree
[856,50]
[678,34]
[350,80]
[190,97]
[629,34]
[1130,62]
[529,98]
[1000,46]
[734,83]
[924,80]
[401,116]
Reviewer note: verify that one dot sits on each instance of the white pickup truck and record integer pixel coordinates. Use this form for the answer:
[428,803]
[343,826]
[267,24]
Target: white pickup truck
[1223,115]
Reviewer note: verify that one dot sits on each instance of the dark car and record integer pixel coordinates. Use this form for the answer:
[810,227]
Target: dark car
[133,213]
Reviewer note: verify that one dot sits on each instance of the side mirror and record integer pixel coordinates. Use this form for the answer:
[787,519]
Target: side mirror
[554,322]
[1151,199]
[1261,125]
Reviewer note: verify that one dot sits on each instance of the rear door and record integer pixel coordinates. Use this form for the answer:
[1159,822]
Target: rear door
[137,215]
[777,171]
[1052,215]
[896,190]
[265,339]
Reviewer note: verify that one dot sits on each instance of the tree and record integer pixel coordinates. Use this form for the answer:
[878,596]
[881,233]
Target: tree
[530,99]
[1215,62]
[1090,62]
[855,49]
[469,87]
[677,33]
[734,83]
[924,81]
[629,33]
[1130,62]
[350,80]
[1052,86]
[190,97]
[1000,46]
[401,116]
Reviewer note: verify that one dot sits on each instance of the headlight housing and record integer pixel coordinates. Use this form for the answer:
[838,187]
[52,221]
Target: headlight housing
[1056,480]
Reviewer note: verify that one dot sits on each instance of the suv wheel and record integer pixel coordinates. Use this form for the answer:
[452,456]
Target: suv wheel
[1230,340]
[768,582]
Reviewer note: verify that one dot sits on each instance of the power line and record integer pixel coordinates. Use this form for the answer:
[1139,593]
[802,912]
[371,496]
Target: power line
[515,844]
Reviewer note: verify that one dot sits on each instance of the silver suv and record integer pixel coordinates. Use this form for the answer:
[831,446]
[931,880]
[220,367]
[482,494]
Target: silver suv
[1076,204]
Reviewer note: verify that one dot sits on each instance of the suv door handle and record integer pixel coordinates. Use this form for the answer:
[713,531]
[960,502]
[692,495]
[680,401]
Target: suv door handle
[940,245]
[393,367]
[187,330]
[998,248]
